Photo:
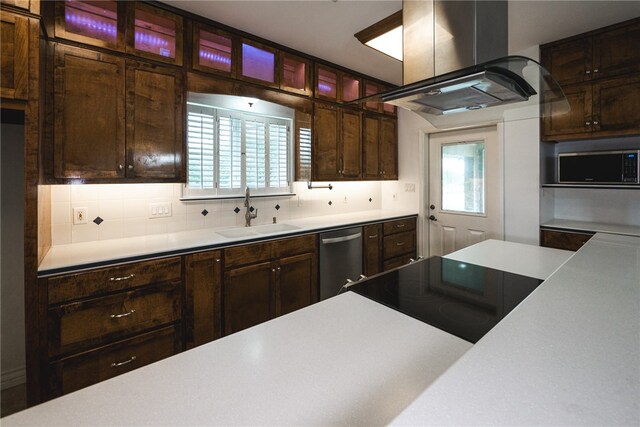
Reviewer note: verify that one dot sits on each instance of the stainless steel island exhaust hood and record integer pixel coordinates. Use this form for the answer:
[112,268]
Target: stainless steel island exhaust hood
[456,71]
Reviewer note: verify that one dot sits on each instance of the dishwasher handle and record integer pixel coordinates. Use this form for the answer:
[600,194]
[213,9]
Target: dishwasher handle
[341,239]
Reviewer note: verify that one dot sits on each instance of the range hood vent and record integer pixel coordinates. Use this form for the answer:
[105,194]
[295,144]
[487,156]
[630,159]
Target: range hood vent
[445,39]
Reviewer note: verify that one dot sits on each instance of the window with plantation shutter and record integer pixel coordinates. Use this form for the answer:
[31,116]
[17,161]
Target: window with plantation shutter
[230,150]
[304,156]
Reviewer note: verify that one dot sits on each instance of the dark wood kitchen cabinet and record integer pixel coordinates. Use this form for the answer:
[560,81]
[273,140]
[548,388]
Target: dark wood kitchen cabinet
[372,249]
[337,144]
[568,240]
[105,322]
[154,122]
[599,73]
[266,280]
[380,142]
[14,63]
[203,297]
[398,243]
[115,121]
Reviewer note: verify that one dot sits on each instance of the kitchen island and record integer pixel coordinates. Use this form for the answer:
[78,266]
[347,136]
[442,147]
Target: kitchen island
[567,355]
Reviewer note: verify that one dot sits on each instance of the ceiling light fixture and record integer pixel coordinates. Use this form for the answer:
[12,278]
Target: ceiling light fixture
[384,36]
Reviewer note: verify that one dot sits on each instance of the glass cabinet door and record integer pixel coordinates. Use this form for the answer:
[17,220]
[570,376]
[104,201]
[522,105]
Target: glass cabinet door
[326,83]
[156,34]
[258,63]
[350,88]
[213,50]
[371,89]
[294,74]
[98,23]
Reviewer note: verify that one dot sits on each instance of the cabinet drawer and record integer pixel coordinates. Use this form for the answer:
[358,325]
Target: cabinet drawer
[295,246]
[247,254]
[97,365]
[105,280]
[397,261]
[563,240]
[399,226]
[80,325]
[398,244]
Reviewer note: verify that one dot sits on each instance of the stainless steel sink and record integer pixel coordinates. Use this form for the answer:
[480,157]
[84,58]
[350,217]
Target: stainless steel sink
[275,228]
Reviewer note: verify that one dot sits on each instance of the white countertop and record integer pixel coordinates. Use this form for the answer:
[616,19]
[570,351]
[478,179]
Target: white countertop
[133,248]
[597,227]
[568,355]
[344,361]
[527,260]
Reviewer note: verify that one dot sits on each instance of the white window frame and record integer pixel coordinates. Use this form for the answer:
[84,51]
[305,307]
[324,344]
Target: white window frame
[216,192]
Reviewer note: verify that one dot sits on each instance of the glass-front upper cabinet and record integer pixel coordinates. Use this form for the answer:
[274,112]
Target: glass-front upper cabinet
[98,23]
[258,63]
[213,50]
[326,83]
[155,33]
[388,108]
[371,88]
[350,88]
[295,74]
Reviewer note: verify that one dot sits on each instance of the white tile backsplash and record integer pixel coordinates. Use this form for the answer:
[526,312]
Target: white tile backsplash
[124,208]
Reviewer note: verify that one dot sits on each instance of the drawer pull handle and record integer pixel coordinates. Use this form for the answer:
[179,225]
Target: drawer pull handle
[117,279]
[373,237]
[126,362]
[400,244]
[399,225]
[117,316]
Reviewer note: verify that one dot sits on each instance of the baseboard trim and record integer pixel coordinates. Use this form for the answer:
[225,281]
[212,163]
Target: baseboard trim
[12,378]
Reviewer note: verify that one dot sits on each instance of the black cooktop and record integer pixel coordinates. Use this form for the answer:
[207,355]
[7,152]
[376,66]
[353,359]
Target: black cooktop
[463,299]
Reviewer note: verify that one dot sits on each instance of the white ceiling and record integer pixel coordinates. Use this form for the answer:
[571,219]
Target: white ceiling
[325,29]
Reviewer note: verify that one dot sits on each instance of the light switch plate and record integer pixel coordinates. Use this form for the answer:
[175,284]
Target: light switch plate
[159,210]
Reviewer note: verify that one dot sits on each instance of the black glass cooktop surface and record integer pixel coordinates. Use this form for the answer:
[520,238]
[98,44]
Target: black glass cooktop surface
[463,299]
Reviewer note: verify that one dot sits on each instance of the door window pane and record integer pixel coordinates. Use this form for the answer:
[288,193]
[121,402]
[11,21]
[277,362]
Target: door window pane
[463,187]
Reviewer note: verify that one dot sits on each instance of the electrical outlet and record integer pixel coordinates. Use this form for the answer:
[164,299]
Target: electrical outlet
[345,200]
[300,201]
[80,216]
[159,210]
[394,196]
[410,188]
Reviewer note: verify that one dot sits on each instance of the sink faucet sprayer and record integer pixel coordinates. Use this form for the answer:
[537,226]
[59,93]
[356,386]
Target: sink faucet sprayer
[248,216]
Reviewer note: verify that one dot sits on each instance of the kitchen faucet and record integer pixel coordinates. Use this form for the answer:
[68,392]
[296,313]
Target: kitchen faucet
[248,216]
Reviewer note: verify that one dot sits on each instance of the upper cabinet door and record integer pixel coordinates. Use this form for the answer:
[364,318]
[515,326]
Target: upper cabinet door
[258,63]
[617,52]
[89,112]
[575,123]
[155,141]
[214,51]
[569,62]
[351,158]
[326,86]
[371,88]
[154,33]
[616,107]
[371,135]
[295,74]
[389,148]
[350,88]
[15,56]
[98,23]
[326,142]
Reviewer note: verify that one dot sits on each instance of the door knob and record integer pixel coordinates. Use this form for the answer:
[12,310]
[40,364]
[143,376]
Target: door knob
[432,207]
[433,218]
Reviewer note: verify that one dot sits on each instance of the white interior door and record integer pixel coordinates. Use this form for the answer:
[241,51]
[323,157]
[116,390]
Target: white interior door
[465,189]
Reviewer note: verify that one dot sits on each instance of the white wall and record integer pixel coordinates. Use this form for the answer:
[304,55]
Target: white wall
[12,340]
[124,208]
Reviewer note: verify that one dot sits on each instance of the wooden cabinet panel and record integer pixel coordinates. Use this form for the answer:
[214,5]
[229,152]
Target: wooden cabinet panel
[154,122]
[248,254]
[372,249]
[617,52]
[14,56]
[247,296]
[326,142]
[575,122]
[82,324]
[399,226]
[389,148]
[351,144]
[297,284]
[569,62]
[203,297]
[22,4]
[371,135]
[96,282]
[295,246]
[570,241]
[76,372]
[617,106]
[89,133]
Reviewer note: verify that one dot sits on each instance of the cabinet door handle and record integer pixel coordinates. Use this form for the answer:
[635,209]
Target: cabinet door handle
[273,270]
[117,279]
[217,259]
[587,72]
[120,167]
[130,167]
[596,70]
[278,268]
[118,316]
[125,362]
[399,225]
[596,122]
[587,123]
[400,244]
[373,237]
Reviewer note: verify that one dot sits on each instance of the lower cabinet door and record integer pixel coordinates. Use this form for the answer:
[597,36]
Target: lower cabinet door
[246,296]
[79,371]
[203,277]
[372,249]
[297,283]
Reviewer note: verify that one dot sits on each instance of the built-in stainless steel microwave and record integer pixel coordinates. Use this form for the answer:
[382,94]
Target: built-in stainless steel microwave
[599,167]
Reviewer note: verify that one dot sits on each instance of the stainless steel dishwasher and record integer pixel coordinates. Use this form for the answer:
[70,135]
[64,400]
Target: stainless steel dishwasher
[340,259]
